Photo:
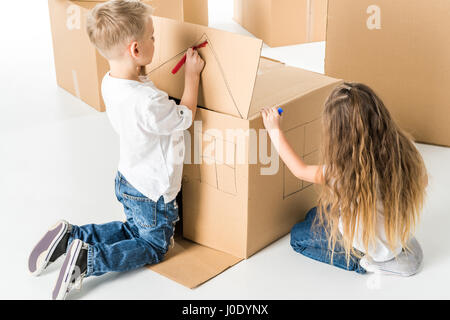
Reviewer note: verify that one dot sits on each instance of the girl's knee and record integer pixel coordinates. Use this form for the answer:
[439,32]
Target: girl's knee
[311,215]
[300,235]
[302,229]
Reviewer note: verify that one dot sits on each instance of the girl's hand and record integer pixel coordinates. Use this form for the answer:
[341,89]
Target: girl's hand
[271,118]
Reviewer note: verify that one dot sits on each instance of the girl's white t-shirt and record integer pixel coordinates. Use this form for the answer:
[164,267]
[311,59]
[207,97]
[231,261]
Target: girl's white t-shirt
[380,250]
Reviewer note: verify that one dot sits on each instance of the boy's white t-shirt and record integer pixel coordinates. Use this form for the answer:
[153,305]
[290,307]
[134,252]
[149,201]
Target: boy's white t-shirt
[151,132]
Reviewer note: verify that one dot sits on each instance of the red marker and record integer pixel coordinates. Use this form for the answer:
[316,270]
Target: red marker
[183,60]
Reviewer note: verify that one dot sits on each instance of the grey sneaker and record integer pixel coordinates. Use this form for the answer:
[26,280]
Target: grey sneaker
[52,246]
[406,264]
[72,271]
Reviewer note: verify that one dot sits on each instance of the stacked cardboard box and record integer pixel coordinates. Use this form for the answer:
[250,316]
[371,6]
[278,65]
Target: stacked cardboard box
[283,22]
[399,49]
[232,205]
[79,67]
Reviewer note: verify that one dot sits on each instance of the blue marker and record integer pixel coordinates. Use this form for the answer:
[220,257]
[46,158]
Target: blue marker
[280,111]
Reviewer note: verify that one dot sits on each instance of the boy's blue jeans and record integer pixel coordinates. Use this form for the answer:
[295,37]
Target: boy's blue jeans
[143,239]
[313,243]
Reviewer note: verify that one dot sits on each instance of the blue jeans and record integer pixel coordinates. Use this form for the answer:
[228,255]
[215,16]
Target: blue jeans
[313,243]
[143,239]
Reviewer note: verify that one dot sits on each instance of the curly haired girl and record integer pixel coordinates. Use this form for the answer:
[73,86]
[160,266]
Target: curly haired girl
[373,186]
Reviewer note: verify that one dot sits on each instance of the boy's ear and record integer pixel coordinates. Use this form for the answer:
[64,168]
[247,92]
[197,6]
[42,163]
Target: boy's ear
[134,51]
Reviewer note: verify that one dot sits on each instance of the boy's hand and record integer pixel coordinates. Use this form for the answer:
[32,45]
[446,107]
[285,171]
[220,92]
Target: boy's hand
[194,63]
[271,118]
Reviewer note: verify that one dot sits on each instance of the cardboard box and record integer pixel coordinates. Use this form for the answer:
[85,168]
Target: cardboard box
[283,22]
[230,208]
[398,48]
[79,67]
[193,11]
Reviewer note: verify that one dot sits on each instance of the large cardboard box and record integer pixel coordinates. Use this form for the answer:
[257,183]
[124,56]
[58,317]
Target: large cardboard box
[193,11]
[79,66]
[398,48]
[283,22]
[236,200]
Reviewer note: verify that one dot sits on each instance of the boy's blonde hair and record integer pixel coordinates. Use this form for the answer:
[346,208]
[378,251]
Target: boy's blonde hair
[113,23]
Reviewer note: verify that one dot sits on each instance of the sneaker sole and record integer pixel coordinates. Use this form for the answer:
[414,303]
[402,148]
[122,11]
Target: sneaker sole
[62,284]
[41,253]
[379,270]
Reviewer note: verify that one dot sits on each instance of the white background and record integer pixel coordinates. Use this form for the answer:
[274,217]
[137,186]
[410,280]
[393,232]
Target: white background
[59,159]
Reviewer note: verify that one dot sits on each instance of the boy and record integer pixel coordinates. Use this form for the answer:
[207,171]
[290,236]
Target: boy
[150,127]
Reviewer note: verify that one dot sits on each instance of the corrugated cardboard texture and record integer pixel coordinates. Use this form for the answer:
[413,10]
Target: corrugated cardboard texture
[191,264]
[79,67]
[406,61]
[231,63]
[283,22]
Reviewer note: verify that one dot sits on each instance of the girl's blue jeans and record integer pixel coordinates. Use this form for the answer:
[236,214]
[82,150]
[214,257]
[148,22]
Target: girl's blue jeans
[143,239]
[313,243]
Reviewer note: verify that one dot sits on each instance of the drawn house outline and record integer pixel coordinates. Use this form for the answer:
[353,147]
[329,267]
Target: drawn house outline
[210,47]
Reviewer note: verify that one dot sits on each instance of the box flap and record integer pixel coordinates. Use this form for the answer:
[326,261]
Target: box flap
[191,264]
[277,83]
[231,64]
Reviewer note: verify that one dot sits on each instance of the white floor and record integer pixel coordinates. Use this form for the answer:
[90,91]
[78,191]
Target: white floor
[59,160]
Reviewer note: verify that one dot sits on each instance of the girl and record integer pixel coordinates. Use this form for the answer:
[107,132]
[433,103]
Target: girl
[373,186]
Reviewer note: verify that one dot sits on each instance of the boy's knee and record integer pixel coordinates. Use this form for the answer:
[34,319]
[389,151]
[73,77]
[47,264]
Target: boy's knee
[155,251]
[159,239]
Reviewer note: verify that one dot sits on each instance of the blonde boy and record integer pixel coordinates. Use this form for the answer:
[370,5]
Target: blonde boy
[150,128]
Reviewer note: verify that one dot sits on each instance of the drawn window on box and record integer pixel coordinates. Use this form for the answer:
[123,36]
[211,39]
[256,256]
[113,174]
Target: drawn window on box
[218,163]
[305,141]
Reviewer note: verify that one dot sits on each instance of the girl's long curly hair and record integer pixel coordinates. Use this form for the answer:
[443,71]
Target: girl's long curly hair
[367,160]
